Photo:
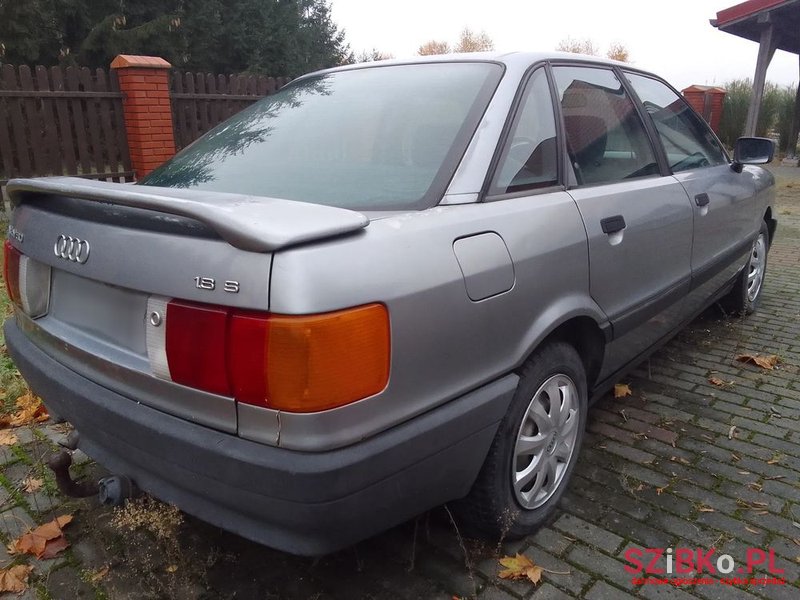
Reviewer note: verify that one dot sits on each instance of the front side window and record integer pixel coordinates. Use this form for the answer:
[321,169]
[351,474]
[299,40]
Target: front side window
[378,138]
[529,158]
[687,139]
[606,139]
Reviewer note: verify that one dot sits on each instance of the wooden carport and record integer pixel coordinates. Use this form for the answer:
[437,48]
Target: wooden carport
[775,25]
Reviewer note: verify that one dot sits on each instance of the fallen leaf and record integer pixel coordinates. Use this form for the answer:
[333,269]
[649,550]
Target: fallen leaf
[15,579]
[96,576]
[719,382]
[55,546]
[765,362]
[735,457]
[774,461]
[29,410]
[660,490]
[520,567]
[621,390]
[32,484]
[751,530]
[36,541]
[172,568]
[8,438]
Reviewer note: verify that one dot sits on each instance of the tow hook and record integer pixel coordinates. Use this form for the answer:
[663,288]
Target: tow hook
[116,489]
[59,463]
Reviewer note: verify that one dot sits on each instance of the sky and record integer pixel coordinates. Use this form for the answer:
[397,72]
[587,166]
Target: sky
[672,39]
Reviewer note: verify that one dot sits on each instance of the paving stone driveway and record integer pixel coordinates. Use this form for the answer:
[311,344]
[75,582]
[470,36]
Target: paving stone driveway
[661,468]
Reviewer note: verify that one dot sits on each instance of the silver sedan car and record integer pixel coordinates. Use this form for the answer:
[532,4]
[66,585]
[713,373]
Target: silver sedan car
[386,287]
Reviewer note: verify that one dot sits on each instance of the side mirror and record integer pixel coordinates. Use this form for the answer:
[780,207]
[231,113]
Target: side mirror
[752,151]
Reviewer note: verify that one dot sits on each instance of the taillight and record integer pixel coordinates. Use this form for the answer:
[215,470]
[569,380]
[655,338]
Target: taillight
[11,258]
[303,363]
[322,361]
[27,281]
[196,335]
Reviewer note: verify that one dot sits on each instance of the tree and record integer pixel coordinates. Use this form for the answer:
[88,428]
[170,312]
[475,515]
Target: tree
[468,41]
[434,47]
[473,42]
[616,51]
[285,37]
[584,46]
[372,56]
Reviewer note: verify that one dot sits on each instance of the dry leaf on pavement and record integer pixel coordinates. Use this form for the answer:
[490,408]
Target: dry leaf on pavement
[29,410]
[54,547]
[621,390]
[15,579]
[32,484]
[520,567]
[8,438]
[96,576]
[765,362]
[45,541]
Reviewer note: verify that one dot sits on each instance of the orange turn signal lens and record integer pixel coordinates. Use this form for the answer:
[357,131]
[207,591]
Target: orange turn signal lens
[318,362]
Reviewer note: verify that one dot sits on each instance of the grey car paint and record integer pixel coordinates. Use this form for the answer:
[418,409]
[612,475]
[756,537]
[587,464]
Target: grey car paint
[625,273]
[445,340]
[246,222]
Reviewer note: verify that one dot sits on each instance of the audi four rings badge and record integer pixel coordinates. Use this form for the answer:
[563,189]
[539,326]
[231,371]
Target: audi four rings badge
[72,249]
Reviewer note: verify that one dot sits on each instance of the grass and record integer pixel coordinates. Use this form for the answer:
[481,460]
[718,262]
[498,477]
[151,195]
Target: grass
[12,386]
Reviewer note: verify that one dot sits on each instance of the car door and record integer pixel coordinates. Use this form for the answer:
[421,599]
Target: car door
[721,198]
[638,222]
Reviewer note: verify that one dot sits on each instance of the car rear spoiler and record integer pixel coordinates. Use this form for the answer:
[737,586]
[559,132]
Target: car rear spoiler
[252,223]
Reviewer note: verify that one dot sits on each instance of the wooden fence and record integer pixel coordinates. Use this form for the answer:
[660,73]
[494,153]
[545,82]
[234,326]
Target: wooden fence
[69,120]
[61,121]
[201,101]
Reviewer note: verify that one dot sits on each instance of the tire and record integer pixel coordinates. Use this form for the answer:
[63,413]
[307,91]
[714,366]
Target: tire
[743,299]
[495,507]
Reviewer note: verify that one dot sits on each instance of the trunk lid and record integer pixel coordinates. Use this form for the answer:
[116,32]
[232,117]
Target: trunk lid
[113,248]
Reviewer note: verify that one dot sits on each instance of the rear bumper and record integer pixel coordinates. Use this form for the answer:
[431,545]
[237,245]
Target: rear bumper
[299,502]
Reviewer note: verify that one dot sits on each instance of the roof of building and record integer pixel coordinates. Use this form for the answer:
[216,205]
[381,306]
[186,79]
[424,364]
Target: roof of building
[749,18]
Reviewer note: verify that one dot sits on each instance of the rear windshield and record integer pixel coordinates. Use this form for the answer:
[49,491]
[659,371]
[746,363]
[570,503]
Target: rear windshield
[379,138]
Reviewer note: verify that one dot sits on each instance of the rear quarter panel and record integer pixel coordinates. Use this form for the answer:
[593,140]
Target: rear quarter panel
[443,343]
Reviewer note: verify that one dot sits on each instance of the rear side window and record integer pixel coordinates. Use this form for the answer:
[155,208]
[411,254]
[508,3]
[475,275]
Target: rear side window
[377,138]
[529,158]
[606,139]
[687,139]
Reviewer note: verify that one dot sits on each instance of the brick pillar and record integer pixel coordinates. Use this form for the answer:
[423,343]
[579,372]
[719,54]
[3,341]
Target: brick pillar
[144,83]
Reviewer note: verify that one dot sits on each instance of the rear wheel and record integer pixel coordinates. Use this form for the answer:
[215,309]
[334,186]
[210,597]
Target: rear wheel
[535,448]
[746,292]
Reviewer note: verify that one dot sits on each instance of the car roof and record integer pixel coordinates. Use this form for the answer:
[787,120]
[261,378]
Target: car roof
[509,59]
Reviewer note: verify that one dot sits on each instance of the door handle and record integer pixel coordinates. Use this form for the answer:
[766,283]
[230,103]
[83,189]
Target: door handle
[613,224]
[702,200]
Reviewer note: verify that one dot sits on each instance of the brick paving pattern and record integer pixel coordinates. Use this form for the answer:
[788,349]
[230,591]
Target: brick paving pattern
[663,468]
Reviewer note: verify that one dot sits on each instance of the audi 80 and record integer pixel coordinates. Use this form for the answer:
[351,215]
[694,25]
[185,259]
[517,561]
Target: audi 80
[386,287]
